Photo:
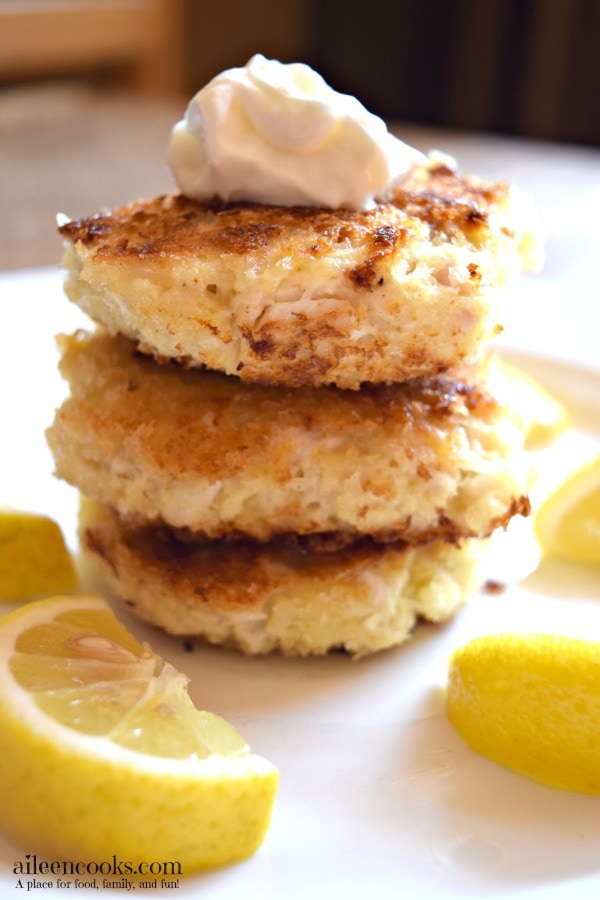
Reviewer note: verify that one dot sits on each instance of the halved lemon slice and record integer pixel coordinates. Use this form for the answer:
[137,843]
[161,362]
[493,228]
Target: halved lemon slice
[102,751]
[531,703]
[34,559]
[567,524]
[542,415]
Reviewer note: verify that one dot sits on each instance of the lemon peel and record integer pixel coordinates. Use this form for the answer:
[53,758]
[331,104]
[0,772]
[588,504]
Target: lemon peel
[34,559]
[102,751]
[567,523]
[532,704]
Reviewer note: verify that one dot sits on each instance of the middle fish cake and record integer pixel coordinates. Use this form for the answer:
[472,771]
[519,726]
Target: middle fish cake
[431,458]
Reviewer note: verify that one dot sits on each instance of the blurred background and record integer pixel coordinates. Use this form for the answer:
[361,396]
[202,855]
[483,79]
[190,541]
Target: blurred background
[90,90]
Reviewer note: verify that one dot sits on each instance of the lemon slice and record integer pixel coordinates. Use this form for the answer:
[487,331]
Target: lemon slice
[531,703]
[543,417]
[567,524]
[34,559]
[102,751]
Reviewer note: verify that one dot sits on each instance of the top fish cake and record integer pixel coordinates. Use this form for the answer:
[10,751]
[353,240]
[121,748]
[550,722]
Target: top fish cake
[308,296]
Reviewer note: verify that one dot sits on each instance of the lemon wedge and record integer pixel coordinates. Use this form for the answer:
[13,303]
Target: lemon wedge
[543,417]
[532,704]
[102,751]
[34,559]
[567,523]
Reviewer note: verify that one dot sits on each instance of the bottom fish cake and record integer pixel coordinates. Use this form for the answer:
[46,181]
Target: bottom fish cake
[284,595]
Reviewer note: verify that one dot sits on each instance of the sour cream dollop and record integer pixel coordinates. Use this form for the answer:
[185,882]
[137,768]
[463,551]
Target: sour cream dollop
[278,134]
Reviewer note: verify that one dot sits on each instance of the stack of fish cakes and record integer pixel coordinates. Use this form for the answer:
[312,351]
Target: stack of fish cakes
[281,423]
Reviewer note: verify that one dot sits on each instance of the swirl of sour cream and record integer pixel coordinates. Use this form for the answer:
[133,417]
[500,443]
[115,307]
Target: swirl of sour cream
[278,134]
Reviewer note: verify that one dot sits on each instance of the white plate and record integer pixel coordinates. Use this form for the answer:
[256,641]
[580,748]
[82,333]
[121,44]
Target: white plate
[379,797]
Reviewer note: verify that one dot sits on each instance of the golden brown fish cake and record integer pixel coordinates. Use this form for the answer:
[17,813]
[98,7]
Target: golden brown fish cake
[258,598]
[300,296]
[200,450]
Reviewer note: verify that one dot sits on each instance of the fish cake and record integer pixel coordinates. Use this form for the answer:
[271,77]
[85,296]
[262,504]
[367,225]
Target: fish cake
[303,296]
[198,450]
[280,596]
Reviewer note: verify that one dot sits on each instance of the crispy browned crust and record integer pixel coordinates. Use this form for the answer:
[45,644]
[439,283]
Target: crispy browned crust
[203,451]
[224,573]
[117,390]
[282,596]
[174,225]
[298,296]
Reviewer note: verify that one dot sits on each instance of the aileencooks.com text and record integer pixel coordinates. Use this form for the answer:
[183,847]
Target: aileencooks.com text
[32,865]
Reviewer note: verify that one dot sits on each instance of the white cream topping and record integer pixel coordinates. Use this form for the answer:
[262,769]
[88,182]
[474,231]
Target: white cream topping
[277,133]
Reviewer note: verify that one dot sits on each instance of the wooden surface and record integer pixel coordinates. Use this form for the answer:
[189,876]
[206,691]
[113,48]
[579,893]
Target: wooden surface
[68,150]
[139,41]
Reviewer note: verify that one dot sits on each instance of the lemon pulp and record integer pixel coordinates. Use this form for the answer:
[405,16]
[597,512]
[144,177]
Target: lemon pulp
[542,415]
[531,703]
[102,750]
[567,524]
[86,671]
